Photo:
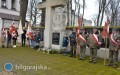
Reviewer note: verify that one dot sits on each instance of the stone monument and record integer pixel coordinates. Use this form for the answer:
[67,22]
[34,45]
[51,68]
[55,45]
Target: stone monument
[54,23]
[58,28]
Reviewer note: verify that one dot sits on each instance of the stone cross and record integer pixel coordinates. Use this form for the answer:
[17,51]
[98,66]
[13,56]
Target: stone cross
[49,6]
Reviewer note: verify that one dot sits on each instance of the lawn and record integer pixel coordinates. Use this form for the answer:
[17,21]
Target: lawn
[56,64]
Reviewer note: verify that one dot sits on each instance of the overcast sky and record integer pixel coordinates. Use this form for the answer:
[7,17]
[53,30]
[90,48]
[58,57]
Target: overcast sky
[91,8]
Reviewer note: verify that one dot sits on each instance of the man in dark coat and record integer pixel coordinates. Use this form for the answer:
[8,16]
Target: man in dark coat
[8,39]
[23,37]
[73,43]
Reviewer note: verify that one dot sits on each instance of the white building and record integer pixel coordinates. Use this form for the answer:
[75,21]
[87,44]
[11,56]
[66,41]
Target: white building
[9,11]
[75,19]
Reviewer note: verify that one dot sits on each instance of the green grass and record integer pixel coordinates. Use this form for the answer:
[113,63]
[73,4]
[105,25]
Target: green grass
[57,63]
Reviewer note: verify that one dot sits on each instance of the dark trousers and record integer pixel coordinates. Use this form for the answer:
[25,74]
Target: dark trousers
[72,50]
[23,41]
[14,42]
[82,52]
[93,54]
[113,57]
[8,42]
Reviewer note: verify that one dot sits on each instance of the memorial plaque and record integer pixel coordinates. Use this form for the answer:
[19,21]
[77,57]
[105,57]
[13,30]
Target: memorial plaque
[55,38]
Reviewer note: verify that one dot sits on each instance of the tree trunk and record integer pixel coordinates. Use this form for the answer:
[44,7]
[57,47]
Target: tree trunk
[23,10]
[83,11]
[103,10]
[71,12]
[35,17]
[74,12]
[79,9]
[68,8]
[98,18]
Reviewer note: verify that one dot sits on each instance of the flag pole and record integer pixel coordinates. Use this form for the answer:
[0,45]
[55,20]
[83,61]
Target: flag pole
[77,34]
[106,42]
[77,46]
[105,50]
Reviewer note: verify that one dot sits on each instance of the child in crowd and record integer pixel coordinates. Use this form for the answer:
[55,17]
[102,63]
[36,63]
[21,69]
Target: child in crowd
[37,40]
[32,40]
[14,37]
[65,44]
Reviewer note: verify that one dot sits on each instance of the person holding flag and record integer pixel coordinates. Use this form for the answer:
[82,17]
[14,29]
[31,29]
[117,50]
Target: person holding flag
[9,34]
[13,33]
[94,44]
[77,35]
[29,34]
[81,41]
[9,37]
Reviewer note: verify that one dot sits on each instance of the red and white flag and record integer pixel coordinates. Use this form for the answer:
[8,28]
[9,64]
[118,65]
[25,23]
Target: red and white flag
[79,25]
[106,26]
[105,30]
[12,28]
[29,30]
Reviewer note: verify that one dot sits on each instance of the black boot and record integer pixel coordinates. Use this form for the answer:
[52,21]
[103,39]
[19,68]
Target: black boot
[71,53]
[74,53]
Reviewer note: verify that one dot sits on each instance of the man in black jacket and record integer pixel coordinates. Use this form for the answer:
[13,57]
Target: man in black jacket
[72,38]
[23,37]
[9,37]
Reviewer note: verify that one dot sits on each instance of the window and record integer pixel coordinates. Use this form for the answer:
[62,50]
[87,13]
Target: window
[3,3]
[13,4]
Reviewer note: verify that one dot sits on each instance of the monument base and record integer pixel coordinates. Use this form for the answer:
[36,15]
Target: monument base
[56,47]
[57,40]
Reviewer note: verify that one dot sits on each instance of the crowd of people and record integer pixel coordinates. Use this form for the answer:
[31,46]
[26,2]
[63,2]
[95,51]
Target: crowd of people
[78,43]
[9,39]
[93,41]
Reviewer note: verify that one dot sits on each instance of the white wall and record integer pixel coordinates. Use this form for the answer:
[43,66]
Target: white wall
[76,21]
[8,4]
[6,11]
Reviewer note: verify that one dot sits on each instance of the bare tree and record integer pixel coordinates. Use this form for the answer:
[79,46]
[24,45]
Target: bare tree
[114,7]
[94,19]
[83,11]
[103,4]
[76,10]
[33,14]
[68,9]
